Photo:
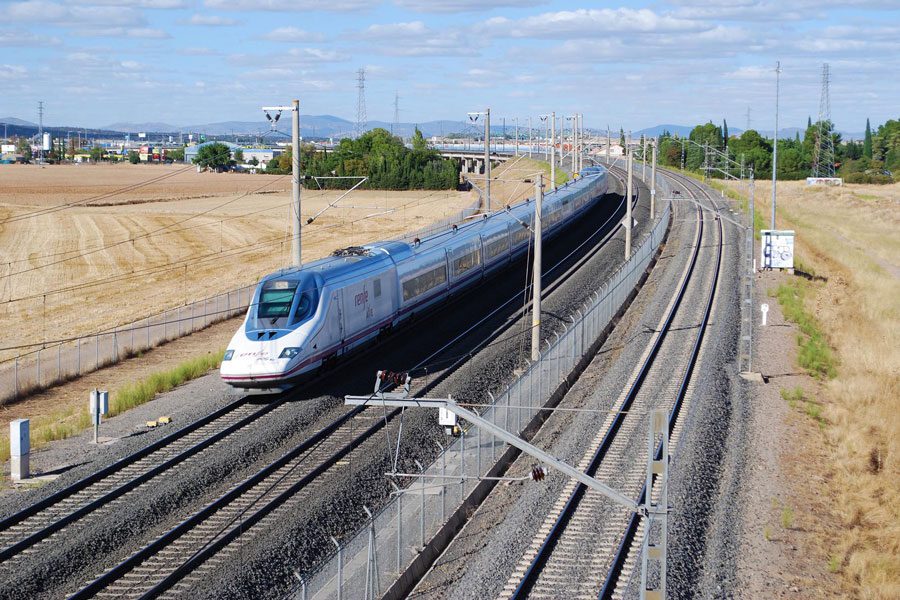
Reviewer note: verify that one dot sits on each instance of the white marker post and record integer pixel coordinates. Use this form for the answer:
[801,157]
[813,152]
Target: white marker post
[19,449]
[99,406]
[765,311]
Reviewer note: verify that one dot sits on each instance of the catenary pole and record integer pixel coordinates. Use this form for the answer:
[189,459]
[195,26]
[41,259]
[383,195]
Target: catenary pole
[775,150]
[536,276]
[553,150]
[295,183]
[628,191]
[487,158]
[653,185]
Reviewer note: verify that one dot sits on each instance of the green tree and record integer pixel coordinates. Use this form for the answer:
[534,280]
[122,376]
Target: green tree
[175,154]
[239,156]
[867,143]
[418,141]
[97,154]
[23,147]
[133,157]
[213,156]
[725,133]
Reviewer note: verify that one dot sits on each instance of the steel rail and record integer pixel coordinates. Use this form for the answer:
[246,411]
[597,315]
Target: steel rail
[85,483]
[544,552]
[622,550]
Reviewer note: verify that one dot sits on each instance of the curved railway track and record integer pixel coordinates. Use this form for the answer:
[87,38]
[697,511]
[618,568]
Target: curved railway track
[165,565]
[585,535]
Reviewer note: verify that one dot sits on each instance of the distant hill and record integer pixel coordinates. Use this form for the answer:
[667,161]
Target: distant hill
[15,121]
[139,127]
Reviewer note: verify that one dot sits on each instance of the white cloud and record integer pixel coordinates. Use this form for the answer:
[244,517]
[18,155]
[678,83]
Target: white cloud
[417,39]
[289,6]
[588,23]
[453,6]
[20,37]
[8,72]
[146,33]
[292,34]
[40,11]
[210,21]
[198,51]
[156,4]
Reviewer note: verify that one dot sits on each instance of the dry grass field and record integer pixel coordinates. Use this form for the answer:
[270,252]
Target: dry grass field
[88,247]
[847,239]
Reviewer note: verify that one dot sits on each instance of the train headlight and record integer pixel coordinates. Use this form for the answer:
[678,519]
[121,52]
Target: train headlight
[228,355]
[289,353]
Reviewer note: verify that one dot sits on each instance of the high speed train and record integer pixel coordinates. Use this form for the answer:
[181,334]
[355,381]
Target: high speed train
[304,318]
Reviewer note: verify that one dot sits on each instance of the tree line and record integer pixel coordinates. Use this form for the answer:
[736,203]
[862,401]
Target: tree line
[875,159]
[381,157]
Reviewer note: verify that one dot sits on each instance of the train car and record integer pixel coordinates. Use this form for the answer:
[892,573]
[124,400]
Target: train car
[305,318]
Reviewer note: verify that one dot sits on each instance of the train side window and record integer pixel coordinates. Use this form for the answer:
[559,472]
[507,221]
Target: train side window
[467,261]
[497,247]
[376,287]
[422,283]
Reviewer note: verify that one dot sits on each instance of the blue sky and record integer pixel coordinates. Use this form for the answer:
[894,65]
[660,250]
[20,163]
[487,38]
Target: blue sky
[183,62]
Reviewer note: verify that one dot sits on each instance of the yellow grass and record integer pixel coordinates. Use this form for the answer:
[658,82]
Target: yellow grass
[850,237]
[65,423]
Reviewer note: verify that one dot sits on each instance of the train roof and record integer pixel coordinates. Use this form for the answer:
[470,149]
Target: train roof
[349,261]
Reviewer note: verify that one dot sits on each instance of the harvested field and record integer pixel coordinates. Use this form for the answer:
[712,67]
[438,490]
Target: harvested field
[848,254]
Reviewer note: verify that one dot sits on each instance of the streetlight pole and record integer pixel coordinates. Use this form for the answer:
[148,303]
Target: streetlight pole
[775,150]
[536,275]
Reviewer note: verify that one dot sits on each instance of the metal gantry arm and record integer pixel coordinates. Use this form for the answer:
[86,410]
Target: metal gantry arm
[513,440]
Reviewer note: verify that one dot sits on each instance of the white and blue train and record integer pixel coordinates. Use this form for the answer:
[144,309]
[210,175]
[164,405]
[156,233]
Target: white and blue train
[302,319]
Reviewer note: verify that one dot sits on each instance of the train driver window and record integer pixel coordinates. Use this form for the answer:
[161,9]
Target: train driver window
[305,308]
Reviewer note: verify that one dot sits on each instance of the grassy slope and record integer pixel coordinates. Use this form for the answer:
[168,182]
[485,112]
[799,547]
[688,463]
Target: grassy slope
[849,238]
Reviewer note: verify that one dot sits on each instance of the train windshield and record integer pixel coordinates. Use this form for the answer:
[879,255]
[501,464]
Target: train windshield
[285,303]
[276,301]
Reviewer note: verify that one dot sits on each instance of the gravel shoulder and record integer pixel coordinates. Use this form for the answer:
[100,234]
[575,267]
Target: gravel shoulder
[783,514]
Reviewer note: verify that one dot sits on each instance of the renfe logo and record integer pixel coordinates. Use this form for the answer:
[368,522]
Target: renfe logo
[362,298]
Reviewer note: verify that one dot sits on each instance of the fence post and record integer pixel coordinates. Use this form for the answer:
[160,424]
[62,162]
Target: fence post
[422,505]
[59,362]
[97,353]
[39,368]
[399,493]
[16,393]
[462,465]
[340,573]
[78,366]
[373,586]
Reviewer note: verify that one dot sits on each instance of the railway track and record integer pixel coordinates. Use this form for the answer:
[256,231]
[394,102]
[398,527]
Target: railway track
[23,533]
[586,544]
[171,563]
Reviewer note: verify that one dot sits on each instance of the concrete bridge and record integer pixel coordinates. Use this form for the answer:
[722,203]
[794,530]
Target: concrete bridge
[473,161]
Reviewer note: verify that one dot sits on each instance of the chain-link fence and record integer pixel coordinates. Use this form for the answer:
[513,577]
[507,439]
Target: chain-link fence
[369,562]
[71,358]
